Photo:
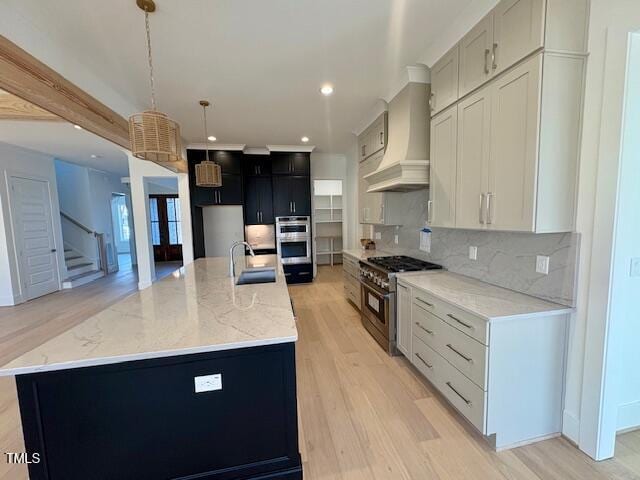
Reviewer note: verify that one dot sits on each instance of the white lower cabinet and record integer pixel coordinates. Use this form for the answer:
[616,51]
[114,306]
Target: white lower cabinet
[504,375]
[403,332]
[351,269]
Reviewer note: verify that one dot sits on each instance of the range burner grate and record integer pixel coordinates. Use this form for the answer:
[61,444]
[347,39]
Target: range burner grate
[402,263]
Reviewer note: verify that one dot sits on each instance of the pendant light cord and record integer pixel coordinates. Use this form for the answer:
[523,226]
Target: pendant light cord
[153,91]
[206,138]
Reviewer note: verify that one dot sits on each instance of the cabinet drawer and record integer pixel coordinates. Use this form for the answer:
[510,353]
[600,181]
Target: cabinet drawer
[350,266]
[473,326]
[426,326]
[466,396]
[463,352]
[426,360]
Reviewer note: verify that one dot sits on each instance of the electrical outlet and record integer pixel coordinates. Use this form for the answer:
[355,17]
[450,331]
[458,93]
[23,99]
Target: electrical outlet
[635,267]
[473,253]
[208,383]
[396,239]
[542,264]
[378,235]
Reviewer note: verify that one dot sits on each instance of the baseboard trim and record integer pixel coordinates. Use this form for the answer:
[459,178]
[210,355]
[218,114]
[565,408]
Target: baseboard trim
[10,300]
[570,426]
[143,285]
[628,417]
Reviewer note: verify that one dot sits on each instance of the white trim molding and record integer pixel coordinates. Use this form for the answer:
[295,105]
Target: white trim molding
[291,148]
[217,146]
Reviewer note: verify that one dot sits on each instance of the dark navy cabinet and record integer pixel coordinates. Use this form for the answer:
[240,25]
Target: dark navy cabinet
[291,195]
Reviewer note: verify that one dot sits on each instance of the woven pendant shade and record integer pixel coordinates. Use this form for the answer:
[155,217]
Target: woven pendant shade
[152,134]
[155,137]
[208,174]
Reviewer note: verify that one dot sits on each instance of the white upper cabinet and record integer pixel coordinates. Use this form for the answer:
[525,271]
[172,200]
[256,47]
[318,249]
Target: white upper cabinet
[515,118]
[444,81]
[444,138]
[474,130]
[518,30]
[374,138]
[475,56]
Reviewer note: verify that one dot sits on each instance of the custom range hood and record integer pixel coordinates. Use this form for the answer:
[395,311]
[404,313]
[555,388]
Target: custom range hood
[405,165]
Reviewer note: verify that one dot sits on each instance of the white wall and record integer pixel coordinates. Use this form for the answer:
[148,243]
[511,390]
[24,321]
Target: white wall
[625,291]
[610,23]
[21,162]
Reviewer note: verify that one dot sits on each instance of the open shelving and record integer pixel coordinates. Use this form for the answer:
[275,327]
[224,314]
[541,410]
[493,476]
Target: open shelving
[327,206]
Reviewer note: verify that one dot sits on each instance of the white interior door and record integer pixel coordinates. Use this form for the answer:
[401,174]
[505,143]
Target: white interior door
[33,233]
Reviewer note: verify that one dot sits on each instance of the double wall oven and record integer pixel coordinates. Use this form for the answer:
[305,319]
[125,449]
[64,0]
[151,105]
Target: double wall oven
[293,240]
[378,294]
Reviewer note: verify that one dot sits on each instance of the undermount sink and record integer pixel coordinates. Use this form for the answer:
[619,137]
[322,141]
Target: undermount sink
[257,275]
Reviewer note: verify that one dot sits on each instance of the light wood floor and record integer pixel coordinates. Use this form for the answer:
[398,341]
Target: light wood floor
[363,415]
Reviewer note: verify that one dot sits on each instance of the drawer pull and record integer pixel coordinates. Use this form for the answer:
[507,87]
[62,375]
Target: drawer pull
[468,359]
[468,402]
[466,325]
[430,305]
[424,361]
[430,332]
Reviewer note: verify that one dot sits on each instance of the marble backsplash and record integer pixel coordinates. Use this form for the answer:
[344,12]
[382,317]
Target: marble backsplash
[504,259]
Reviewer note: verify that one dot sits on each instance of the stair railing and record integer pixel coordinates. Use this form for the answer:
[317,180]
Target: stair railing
[99,237]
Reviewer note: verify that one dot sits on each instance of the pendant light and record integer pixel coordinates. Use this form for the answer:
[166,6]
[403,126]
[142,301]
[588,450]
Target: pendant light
[153,135]
[208,173]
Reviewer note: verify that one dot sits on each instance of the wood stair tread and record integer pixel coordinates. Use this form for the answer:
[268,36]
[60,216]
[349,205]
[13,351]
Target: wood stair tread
[79,265]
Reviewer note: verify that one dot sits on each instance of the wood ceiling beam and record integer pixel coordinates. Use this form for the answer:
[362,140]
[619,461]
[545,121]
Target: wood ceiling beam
[29,79]
[15,108]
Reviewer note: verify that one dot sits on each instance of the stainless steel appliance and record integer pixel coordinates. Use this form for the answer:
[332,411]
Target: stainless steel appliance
[378,287]
[293,240]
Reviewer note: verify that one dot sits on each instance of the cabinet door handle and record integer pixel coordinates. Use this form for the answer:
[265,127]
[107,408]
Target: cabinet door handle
[430,305]
[432,101]
[424,361]
[381,138]
[364,150]
[429,210]
[430,332]
[468,359]
[487,52]
[481,210]
[455,319]
[489,208]
[294,207]
[382,213]
[468,402]
[494,63]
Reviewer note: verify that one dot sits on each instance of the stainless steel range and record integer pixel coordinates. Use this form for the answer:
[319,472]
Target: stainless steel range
[378,285]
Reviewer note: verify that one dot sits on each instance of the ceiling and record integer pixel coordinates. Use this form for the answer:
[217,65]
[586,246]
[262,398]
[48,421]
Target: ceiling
[61,140]
[260,63]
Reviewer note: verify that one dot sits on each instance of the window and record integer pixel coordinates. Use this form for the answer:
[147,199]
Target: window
[173,221]
[155,220]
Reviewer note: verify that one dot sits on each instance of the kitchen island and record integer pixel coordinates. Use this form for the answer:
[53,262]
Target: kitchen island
[193,377]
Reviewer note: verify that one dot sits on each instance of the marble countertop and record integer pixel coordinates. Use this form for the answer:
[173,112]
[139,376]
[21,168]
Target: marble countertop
[479,298]
[196,309]
[361,254]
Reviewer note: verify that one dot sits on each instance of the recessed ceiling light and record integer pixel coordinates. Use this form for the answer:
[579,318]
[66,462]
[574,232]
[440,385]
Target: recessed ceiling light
[211,138]
[77,127]
[326,90]
[305,139]
[93,155]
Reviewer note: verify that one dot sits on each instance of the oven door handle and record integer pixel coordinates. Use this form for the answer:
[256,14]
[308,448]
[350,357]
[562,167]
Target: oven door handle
[375,291]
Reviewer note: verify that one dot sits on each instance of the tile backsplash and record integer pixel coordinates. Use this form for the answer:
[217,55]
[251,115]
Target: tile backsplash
[504,259]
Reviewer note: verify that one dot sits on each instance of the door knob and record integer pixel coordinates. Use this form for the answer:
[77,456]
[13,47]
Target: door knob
[53,250]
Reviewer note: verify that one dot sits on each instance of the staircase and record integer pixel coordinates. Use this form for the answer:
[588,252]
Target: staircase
[80,269]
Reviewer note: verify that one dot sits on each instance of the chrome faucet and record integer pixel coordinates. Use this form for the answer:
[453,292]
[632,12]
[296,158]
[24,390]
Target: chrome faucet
[232,265]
